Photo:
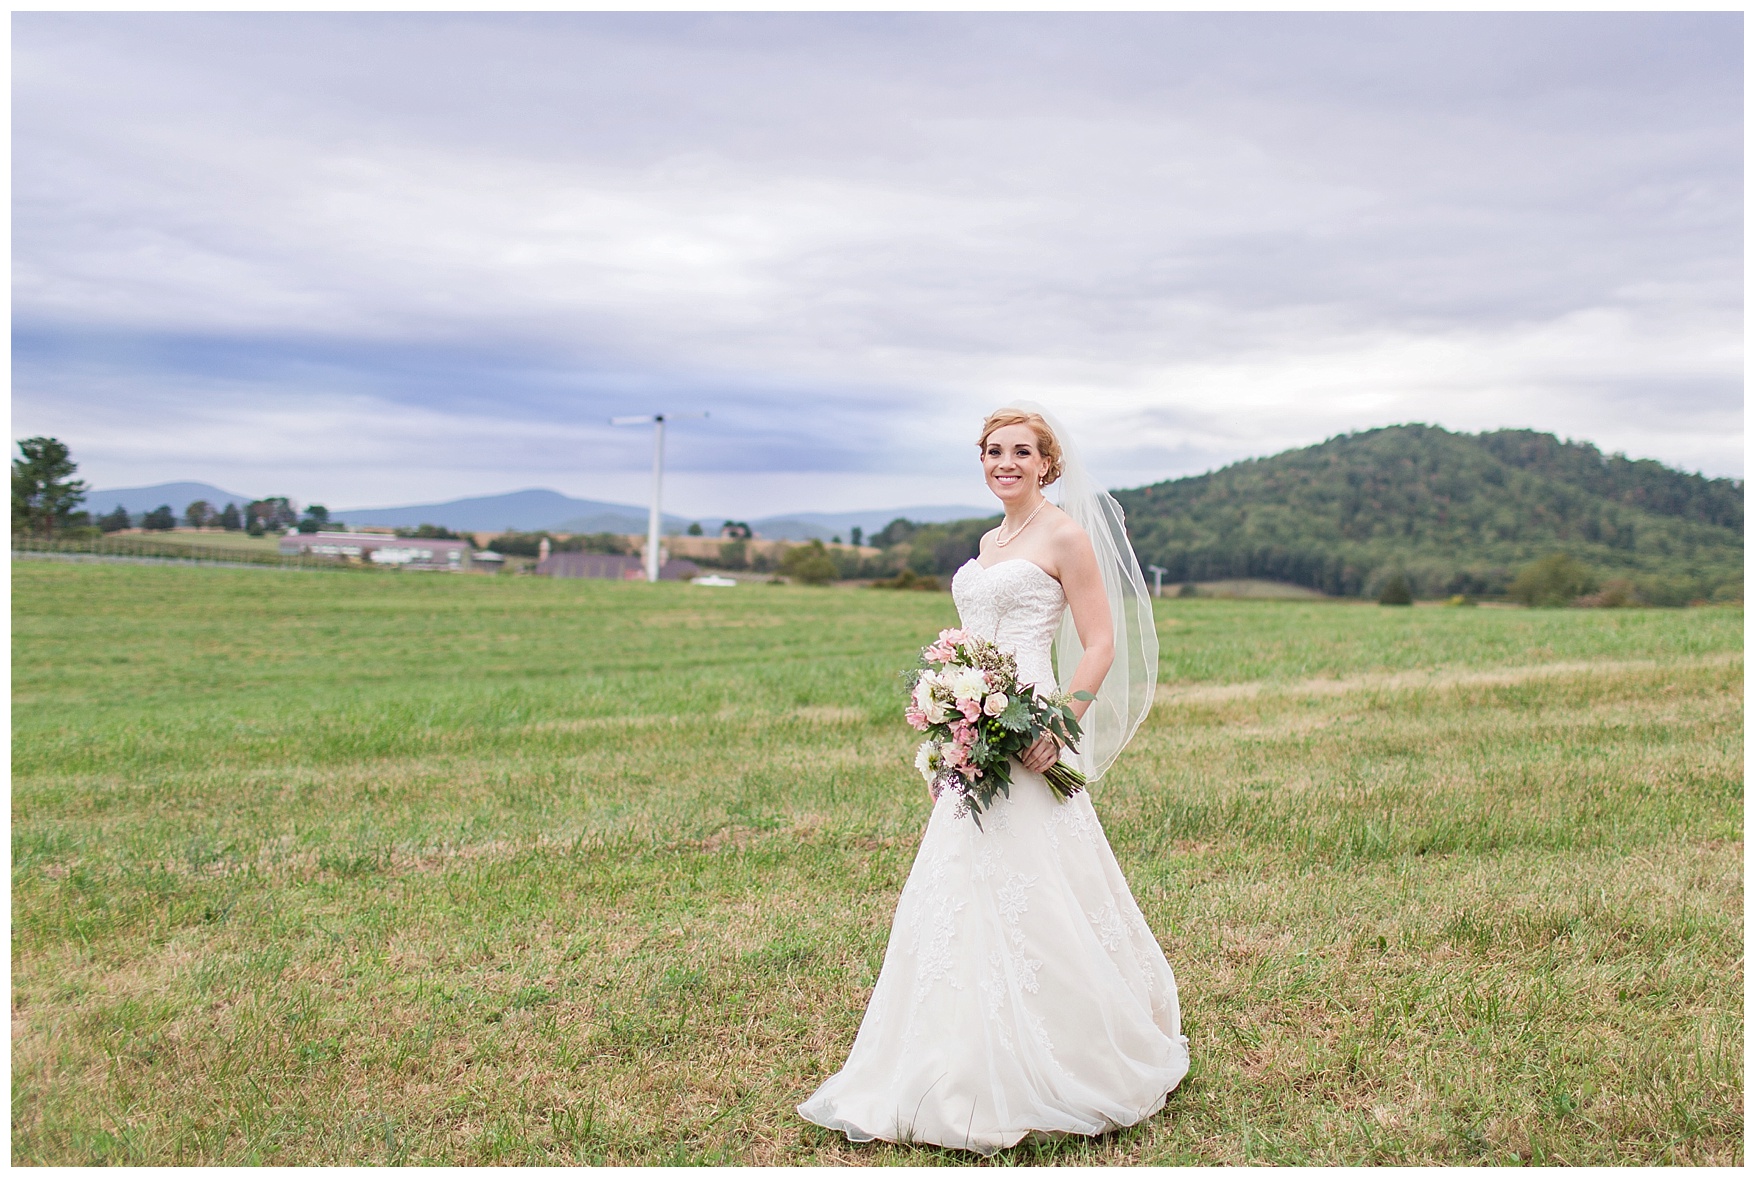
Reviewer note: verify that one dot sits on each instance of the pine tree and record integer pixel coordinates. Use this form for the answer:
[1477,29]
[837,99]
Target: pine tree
[44,491]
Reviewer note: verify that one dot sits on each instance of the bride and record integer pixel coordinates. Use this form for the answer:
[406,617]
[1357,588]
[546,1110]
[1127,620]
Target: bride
[1022,992]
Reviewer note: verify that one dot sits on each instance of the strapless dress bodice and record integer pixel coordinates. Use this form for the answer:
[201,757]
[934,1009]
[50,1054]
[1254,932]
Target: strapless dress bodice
[1017,605]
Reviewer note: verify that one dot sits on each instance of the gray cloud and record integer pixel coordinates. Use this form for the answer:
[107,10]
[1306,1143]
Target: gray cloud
[1202,236]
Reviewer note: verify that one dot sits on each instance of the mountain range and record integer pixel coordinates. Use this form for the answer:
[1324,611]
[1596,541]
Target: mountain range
[176,496]
[532,510]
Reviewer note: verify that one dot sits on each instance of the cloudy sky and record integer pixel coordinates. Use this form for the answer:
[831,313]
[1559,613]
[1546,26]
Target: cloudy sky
[376,259]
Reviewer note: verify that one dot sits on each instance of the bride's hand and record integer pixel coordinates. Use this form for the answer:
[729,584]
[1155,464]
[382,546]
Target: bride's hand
[1039,756]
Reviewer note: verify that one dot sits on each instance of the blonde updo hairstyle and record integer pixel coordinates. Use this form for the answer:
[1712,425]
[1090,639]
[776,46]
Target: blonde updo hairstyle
[1046,443]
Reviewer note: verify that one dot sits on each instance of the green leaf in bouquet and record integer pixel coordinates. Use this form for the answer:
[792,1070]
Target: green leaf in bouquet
[1085,695]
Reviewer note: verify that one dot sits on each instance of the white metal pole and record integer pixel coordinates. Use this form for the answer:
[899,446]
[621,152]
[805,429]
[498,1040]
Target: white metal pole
[652,525]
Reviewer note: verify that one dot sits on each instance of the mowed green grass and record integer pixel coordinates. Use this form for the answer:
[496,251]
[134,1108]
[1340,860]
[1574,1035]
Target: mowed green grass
[316,868]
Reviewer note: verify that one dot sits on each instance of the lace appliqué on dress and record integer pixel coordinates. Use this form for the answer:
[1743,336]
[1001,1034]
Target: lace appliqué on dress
[1075,821]
[993,993]
[935,924]
[1018,606]
[1111,930]
[1013,899]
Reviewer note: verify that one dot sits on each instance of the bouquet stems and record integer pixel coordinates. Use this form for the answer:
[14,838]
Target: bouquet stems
[1064,780]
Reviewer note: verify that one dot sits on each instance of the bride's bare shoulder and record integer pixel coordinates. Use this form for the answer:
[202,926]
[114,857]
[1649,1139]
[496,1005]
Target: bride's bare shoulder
[1068,541]
[1062,528]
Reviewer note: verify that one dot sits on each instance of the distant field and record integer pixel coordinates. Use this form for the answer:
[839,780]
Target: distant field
[218,539]
[1257,590]
[321,869]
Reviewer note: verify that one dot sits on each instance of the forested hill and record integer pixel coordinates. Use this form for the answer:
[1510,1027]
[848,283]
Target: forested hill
[1458,513]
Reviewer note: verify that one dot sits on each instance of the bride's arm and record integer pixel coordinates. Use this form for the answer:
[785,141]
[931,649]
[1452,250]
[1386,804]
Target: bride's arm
[1082,582]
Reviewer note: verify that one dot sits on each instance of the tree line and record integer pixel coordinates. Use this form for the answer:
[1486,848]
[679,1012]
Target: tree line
[46,499]
[926,552]
[258,518]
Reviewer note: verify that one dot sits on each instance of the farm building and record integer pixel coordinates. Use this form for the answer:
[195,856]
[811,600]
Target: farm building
[611,568]
[445,555]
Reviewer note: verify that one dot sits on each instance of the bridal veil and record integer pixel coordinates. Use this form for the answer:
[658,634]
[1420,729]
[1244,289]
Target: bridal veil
[1126,694]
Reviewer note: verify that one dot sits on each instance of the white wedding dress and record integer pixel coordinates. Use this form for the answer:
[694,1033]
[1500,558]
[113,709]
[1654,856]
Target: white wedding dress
[1021,991]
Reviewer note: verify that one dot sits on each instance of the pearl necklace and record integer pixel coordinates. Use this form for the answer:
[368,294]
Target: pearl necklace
[1002,541]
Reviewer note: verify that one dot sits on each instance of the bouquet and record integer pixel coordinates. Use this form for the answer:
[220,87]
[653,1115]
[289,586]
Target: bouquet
[966,697]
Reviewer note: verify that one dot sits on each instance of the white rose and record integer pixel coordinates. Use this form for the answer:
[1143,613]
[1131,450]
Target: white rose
[928,703]
[996,703]
[967,683]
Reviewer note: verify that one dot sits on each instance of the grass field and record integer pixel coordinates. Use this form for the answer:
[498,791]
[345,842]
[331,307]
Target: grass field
[316,868]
